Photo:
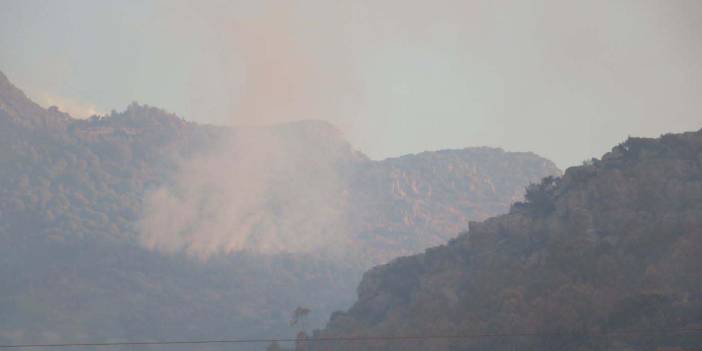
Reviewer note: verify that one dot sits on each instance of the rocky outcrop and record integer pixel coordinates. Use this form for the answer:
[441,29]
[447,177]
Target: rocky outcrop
[403,205]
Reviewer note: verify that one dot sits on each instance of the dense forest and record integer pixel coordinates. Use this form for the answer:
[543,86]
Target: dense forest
[610,247]
[72,197]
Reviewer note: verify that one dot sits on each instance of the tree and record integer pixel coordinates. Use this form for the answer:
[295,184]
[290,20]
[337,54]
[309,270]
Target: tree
[299,315]
[541,195]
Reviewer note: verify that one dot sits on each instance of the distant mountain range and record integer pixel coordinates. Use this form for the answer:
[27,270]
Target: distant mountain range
[140,225]
[606,257]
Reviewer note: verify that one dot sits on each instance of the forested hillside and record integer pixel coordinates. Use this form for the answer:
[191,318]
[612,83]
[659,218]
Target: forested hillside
[611,246]
[79,262]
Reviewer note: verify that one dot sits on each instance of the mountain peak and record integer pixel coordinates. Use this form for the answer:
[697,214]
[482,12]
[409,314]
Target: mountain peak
[22,110]
[9,93]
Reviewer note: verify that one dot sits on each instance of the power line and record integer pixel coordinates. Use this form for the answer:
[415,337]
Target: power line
[358,338]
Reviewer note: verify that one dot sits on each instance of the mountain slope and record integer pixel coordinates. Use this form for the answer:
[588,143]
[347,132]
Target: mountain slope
[425,199]
[75,195]
[612,245]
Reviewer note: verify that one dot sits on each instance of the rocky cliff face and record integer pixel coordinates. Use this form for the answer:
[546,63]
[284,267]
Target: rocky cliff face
[406,204]
[611,246]
[72,204]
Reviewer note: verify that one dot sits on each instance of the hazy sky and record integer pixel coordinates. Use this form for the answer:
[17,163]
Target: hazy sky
[564,79]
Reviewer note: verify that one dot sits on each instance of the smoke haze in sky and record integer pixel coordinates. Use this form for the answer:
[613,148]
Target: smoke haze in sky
[564,79]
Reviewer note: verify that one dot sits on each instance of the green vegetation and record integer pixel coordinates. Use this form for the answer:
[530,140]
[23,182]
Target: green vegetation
[613,245]
[73,268]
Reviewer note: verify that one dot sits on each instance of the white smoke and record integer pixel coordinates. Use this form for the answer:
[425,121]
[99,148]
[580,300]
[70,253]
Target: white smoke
[261,190]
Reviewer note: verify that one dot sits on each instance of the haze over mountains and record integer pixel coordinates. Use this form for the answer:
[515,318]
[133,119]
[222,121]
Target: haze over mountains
[139,225]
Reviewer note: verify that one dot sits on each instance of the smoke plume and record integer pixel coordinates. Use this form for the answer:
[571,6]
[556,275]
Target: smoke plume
[263,189]
[266,190]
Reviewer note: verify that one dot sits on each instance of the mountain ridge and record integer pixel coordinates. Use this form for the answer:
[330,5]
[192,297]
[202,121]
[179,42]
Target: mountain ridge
[609,246]
[73,194]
